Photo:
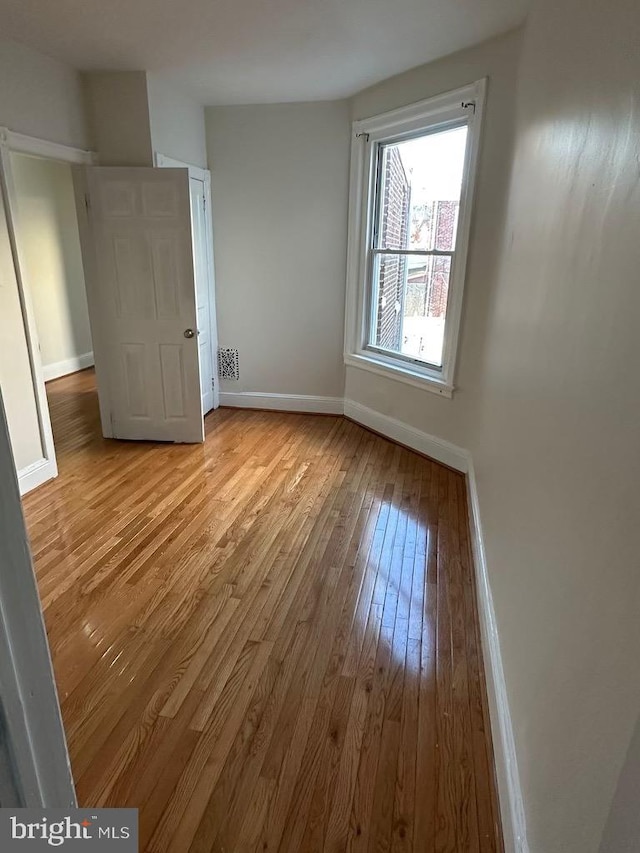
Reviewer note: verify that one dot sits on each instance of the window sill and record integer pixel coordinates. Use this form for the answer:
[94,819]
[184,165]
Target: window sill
[400,373]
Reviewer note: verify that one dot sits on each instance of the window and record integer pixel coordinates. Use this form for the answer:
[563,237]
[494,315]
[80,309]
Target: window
[412,181]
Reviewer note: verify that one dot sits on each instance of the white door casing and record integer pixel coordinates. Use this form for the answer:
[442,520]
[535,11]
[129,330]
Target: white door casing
[34,763]
[143,300]
[201,263]
[16,307]
[203,243]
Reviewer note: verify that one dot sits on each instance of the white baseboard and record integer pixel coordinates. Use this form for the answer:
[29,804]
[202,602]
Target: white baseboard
[509,791]
[69,365]
[283,402]
[36,474]
[436,448]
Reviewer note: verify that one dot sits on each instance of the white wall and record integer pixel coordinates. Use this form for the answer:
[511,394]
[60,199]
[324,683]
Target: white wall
[40,96]
[548,397]
[177,122]
[118,115]
[622,830]
[556,436]
[55,277]
[279,195]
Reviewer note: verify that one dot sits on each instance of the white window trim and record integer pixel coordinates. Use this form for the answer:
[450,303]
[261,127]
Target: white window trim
[366,134]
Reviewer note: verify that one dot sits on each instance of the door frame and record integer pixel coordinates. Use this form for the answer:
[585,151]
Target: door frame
[91,283]
[11,142]
[40,767]
[162,161]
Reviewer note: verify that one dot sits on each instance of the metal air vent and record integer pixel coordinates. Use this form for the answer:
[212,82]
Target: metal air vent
[228,364]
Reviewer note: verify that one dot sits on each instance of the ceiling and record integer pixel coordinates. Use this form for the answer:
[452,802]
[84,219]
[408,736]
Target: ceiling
[257,51]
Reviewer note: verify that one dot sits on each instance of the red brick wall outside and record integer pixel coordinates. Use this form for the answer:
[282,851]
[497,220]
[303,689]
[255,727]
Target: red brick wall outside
[393,268]
[433,226]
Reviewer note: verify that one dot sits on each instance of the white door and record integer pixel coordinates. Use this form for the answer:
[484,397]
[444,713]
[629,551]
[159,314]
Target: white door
[144,302]
[203,292]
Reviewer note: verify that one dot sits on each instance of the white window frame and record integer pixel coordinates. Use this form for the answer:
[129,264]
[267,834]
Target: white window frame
[466,103]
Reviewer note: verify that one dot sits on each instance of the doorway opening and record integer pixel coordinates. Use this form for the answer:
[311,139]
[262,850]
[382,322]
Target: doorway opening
[47,224]
[114,268]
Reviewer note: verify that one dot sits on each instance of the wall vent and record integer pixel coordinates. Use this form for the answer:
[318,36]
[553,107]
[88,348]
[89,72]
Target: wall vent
[228,365]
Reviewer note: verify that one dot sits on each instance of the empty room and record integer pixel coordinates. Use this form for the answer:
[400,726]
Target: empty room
[319,426]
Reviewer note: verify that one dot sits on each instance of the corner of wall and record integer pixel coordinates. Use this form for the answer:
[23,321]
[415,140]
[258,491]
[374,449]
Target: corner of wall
[436,448]
[177,121]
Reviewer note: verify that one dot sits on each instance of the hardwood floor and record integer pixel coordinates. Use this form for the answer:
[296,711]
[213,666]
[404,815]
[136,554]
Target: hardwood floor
[266,642]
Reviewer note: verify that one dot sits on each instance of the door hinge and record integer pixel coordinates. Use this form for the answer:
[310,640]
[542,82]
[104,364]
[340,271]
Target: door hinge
[213,383]
[204,202]
[87,202]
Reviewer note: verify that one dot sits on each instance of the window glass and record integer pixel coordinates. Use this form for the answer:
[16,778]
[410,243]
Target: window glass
[419,183]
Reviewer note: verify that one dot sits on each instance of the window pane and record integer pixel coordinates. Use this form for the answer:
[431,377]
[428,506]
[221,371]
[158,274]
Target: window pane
[419,192]
[410,304]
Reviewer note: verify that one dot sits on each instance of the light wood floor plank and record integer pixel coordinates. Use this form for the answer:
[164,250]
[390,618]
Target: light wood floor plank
[268,642]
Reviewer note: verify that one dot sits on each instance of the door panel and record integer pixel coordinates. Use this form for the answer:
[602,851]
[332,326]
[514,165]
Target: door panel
[174,380]
[203,299]
[141,226]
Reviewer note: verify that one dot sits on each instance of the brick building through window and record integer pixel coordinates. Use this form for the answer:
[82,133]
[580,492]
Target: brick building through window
[410,286]
[428,281]
[393,269]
